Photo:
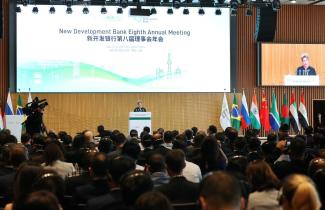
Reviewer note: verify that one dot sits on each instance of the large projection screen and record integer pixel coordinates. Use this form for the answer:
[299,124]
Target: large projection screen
[122,53]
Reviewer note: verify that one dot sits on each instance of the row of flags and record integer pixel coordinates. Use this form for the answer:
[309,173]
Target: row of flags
[9,109]
[269,119]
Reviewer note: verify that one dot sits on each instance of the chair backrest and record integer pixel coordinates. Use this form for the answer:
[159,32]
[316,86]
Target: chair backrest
[185,206]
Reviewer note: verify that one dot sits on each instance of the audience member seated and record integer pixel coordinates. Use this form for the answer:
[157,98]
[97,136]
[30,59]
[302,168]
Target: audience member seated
[78,145]
[146,142]
[189,136]
[212,130]
[118,166]
[26,140]
[297,164]
[98,186]
[319,179]
[152,201]
[220,191]
[186,191]
[253,149]
[26,177]
[193,151]
[133,185]
[41,200]
[118,140]
[54,160]
[105,145]
[157,169]
[168,140]
[17,156]
[210,158]
[132,149]
[299,192]
[265,186]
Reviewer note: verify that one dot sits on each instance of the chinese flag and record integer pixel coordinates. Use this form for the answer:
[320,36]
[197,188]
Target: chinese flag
[264,114]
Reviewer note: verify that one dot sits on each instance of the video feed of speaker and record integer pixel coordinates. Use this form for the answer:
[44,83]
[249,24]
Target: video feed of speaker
[122,52]
[282,64]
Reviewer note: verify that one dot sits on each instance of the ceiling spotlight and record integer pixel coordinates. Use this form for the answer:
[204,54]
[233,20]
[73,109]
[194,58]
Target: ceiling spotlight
[18,9]
[153,11]
[218,11]
[103,10]
[249,12]
[35,10]
[276,5]
[293,1]
[124,3]
[68,10]
[186,11]
[52,10]
[201,11]
[119,10]
[234,4]
[176,4]
[25,3]
[233,12]
[170,11]
[85,10]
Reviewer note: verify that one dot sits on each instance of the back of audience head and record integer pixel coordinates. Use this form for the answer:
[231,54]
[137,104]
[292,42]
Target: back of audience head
[212,130]
[146,140]
[272,137]
[79,141]
[25,178]
[131,149]
[52,182]
[168,137]
[299,193]
[119,166]
[220,190]
[251,133]
[175,161]
[175,133]
[261,176]
[319,179]
[134,133]
[268,147]
[153,200]
[314,165]
[253,143]
[61,134]
[198,139]
[18,155]
[105,145]
[52,153]
[297,148]
[119,139]
[189,134]
[86,158]
[156,163]
[134,184]
[237,164]
[26,138]
[210,148]
[146,129]
[194,130]
[232,134]
[67,140]
[99,166]
[41,200]
[283,132]
[161,131]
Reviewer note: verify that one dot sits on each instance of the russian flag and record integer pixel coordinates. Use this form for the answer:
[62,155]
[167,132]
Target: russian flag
[8,108]
[245,119]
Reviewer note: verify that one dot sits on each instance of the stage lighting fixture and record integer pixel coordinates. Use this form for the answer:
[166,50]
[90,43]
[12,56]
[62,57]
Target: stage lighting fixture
[234,4]
[218,11]
[249,11]
[221,1]
[52,10]
[153,11]
[103,10]
[68,10]
[233,12]
[186,11]
[201,11]
[35,10]
[276,5]
[119,10]
[18,9]
[85,10]
[124,3]
[25,3]
[293,1]
[176,4]
[170,11]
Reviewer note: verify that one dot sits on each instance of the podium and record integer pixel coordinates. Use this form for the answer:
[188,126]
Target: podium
[14,124]
[294,80]
[139,120]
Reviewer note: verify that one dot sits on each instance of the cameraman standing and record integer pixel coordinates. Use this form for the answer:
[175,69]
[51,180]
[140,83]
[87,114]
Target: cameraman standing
[34,122]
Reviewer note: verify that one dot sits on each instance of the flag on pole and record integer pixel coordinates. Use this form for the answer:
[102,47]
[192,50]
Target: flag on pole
[302,112]
[285,110]
[244,115]
[30,99]
[274,114]
[1,120]
[254,113]
[19,108]
[225,115]
[8,108]
[294,121]
[264,114]
[235,116]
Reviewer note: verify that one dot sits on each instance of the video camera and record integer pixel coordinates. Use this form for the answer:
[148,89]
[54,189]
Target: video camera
[31,107]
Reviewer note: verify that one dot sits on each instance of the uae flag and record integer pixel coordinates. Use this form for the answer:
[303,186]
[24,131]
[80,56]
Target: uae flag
[302,112]
[294,120]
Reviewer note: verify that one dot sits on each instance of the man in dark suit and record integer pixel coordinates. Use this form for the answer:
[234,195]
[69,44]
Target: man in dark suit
[178,190]
[305,69]
[139,107]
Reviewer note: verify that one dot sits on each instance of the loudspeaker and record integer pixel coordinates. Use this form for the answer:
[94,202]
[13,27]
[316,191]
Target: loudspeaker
[265,24]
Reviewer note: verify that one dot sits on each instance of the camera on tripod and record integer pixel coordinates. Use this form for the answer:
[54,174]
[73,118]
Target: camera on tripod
[32,107]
